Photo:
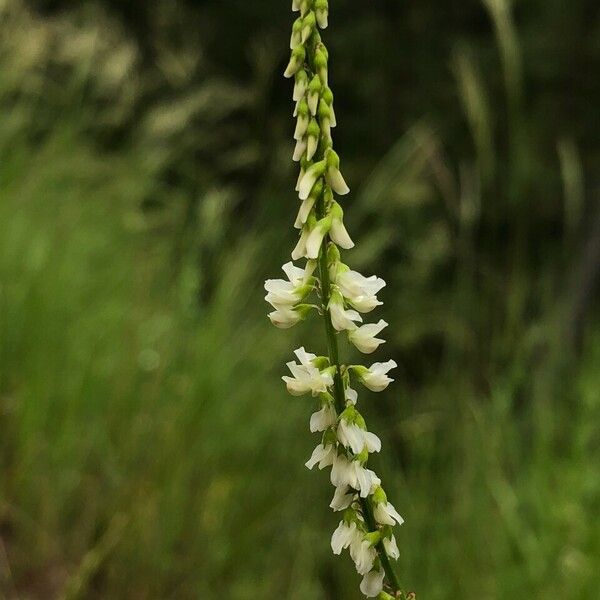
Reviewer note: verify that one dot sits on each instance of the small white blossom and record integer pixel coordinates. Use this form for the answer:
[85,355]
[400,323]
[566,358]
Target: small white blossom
[363,555]
[300,85]
[372,583]
[375,377]
[342,498]
[352,436]
[304,211]
[323,419]
[333,174]
[300,149]
[353,474]
[309,179]
[323,455]
[300,249]
[287,293]
[341,318]
[338,231]
[386,514]
[351,395]
[307,378]
[360,291]
[344,536]
[391,547]
[285,317]
[315,238]
[364,337]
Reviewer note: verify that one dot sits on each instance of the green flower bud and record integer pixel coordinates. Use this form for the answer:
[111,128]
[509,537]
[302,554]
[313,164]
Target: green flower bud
[308,25]
[314,89]
[296,61]
[296,37]
[300,85]
[320,63]
[313,132]
[322,12]
[379,496]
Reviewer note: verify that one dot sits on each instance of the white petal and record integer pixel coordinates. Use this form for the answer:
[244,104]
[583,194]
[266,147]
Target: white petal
[372,583]
[391,547]
[342,498]
[340,235]
[336,181]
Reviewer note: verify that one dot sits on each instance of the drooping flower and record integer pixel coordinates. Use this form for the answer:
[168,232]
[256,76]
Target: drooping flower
[282,293]
[363,554]
[372,583]
[345,535]
[306,376]
[342,498]
[338,232]
[364,337]
[391,547]
[285,317]
[341,318]
[353,474]
[323,455]
[386,514]
[323,419]
[360,291]
[333,175]
[375,377]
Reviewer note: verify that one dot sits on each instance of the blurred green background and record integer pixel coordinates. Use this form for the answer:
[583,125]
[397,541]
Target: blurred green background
[148,449]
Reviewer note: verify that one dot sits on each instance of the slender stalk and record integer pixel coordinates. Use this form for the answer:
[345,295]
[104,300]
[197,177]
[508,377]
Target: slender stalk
[340,403]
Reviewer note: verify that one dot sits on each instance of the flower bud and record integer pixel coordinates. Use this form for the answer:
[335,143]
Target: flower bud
[309,179]
[296,61]
[308,25]
[314,89]
[324,113]
[313,133]
[333,175]
[296,37]
[320,62]
[322,12]
[300,149]
[302,121]
[327,95]
[300,85]
[338,233]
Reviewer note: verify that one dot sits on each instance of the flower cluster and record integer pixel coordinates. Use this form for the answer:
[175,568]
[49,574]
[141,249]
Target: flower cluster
[342,296]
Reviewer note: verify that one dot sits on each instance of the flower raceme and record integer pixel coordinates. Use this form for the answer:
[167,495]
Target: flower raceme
[341,296]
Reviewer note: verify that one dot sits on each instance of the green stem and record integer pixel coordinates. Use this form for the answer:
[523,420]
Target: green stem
[340,402]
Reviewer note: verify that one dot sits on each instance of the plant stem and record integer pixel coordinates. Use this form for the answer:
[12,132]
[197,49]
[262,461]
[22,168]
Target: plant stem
[340,403]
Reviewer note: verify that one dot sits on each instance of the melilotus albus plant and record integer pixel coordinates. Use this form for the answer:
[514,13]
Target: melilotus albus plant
[341,296]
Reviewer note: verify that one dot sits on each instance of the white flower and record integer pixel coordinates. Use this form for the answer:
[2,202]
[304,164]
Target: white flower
[386,514]
[375,377]
[344,536]
[372,583]
[363,555]
[351,395]
[391,547]
[364,337]
[286,293]
[360,291]
[340,317]
[300,149]
[300,249]
[285,317]
[353,474]
[307,378]
[342,498]
[333,175]
[300,85]
[338,231]
[340,235]
[323,455]
[309,179]
[355,438]
[323,419]
[304,211]
[315,238]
